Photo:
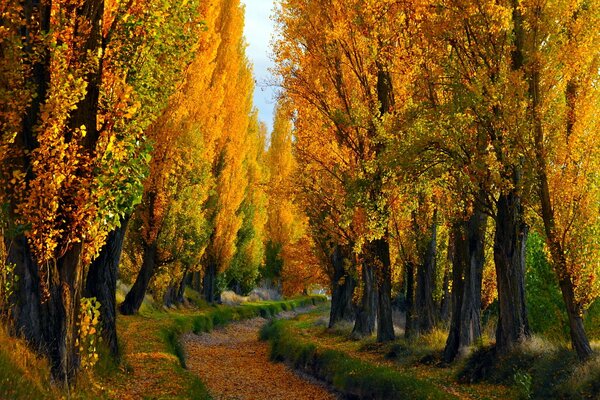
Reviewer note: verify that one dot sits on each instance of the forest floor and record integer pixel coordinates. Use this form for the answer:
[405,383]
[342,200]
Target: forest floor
[234,364]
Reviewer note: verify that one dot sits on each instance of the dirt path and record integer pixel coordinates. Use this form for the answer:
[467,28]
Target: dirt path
[234,364]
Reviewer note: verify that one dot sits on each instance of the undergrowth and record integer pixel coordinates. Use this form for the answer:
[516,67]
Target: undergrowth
[538,368]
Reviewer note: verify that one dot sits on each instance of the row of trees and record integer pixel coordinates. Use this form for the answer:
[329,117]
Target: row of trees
[416,119]
[81,83]
[128,127]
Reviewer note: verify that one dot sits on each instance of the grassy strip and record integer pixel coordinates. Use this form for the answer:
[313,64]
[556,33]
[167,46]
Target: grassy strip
[351,376]
[222,315]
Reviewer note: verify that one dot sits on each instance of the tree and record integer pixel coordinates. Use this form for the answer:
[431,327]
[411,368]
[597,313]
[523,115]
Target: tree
[242,274]
[483,61]
[562,100]
[52,148]
[227,167]
[320,193]
[192,127]
[285,223]
[146,51]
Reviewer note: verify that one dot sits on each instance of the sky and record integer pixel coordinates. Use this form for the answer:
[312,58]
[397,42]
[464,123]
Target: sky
[258,31]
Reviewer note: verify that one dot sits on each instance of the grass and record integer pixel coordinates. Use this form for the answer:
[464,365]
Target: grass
[22,374]
[351,376]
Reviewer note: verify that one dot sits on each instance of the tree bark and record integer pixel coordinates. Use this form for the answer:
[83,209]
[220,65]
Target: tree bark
[459,260]
[135,297]
[364,325]
[445,303]
[181,289]
[409,326]
[385,323]
[342,288]
[209,282]
[49,322]
[174,293]
[101,283]
[28,318]
[470,313]
[509,256]
[426,317]
[468,259]
[196,281]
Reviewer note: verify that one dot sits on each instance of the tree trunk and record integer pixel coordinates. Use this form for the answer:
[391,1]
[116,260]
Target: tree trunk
[209,283]
[47,314]
[509,256]
[459,261]
[342,289]
[511,231]
[170,296]
[364,325]
[409,326]
[28,319]
[49,323]
[445,303]
[579,339]
[181,289]
[468,260]
[385,323]
[470,313]
[175,291]
[196,281]
[101,283]
[135,297]
[426,317]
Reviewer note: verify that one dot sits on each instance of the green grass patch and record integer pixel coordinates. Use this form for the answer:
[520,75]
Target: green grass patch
[351,376]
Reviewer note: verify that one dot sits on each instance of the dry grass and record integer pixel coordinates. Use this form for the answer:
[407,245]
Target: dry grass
[22,373]
[435,340]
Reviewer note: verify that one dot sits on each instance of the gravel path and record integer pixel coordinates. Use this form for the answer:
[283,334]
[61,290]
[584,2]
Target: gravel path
[234,364]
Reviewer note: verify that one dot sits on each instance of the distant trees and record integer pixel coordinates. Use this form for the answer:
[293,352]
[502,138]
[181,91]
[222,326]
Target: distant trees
[204,155]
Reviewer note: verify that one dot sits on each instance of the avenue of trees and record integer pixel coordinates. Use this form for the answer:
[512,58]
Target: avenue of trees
[417,147]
